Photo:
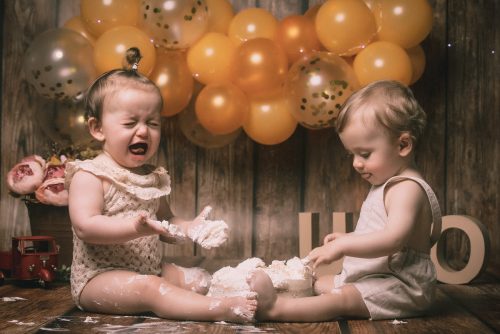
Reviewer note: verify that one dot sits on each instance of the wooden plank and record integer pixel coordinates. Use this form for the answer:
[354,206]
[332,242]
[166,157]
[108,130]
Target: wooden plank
[473,139]
[21,135]
[447,317]
[41,306]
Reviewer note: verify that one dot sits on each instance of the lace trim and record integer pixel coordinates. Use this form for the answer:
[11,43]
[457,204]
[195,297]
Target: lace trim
[153,185]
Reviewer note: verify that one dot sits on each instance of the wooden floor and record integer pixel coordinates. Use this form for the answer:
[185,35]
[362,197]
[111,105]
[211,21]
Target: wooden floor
[472,308]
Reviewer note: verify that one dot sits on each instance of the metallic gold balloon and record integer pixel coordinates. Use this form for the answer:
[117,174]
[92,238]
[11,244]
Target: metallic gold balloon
[269,121]
[345,27]
[383,61]
[101,15]
[76,24]
[220,14]
[171,74]
[317,86]
[252,23]
[58,63]
[417,58]
[297,36]
[403,22]
[221,108]
[111,47]
[198,135]
[174,24]
[259,66]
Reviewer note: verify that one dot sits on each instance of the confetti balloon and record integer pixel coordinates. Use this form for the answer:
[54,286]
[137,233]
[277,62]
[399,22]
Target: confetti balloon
[59,64]
[64,123]
[317,86]
[198,135]
[174,24]
[101,15]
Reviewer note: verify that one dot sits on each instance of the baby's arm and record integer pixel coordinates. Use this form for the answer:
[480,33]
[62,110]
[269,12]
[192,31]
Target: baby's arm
[86,201]
[404,202]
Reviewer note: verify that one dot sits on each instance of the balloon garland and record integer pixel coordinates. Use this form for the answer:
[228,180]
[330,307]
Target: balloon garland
[257,74]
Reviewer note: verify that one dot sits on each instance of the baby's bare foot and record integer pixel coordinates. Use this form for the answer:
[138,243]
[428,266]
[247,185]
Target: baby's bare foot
[261,284]
[237,309]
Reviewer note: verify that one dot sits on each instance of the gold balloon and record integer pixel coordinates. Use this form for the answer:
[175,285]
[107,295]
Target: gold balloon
[311,12]
[383,61]
[198,135]
[403,22]
[110,49]
[171,74]
[345,27]
[317,86]
[417,58]
[259,66]
[269,121]
[208,58]
[58,64]
[221,108]
[76,24]
[220,14]
[252,23]
[297,36]
[101,15]
[174,24]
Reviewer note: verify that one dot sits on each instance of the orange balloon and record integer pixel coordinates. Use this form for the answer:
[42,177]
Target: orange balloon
[269,121]
[345,27]
[221,108]
[311,12]
[404,22]
[417,58]
[383,61]
[259,66]
[208,58]
[220,14]
[76,24]
[110,49]
[101,15]
[297,36]
[171,74]
[252,23]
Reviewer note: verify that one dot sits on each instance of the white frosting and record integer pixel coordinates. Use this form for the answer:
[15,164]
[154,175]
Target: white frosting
[209,233]
[291,278]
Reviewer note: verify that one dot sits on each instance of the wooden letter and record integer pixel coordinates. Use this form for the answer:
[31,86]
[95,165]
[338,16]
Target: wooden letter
[479,249]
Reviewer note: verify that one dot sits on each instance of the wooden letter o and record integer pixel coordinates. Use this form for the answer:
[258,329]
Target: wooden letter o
[479,248]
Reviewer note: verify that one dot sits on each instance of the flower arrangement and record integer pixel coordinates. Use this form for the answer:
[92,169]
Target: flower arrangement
[38,180]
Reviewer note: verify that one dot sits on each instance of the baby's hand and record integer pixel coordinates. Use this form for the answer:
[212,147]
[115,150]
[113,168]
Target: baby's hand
[323,255]
[171,233]
[207,233]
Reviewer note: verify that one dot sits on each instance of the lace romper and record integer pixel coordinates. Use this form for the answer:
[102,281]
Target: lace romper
[128,195]
[400,285]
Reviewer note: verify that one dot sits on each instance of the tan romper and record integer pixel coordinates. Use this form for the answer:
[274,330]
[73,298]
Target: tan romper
[128,195]
[400,285]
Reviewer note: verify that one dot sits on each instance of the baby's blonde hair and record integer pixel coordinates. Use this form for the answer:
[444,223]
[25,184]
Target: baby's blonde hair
[393,105]
[114,80]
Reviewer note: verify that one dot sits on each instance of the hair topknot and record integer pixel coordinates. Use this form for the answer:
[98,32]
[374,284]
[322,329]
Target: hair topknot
[132,58]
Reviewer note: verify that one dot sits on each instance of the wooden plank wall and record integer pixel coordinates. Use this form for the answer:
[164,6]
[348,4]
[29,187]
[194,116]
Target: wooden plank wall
[259,190]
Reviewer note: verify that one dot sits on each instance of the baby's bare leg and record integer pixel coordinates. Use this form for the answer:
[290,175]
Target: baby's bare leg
[345,301]
[124,292]
[194,279]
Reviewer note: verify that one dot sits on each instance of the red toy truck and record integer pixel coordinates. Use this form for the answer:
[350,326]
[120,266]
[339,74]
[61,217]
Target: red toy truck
[32,258]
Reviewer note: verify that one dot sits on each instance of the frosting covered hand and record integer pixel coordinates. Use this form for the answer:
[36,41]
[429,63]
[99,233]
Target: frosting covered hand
[207,233]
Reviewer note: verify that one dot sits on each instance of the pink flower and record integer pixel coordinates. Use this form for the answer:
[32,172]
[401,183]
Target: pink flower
[26,176]
[52,192]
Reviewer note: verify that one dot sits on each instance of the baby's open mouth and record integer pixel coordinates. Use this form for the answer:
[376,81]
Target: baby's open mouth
[138,148]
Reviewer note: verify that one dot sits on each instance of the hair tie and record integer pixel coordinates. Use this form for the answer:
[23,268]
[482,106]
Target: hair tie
[135,66]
